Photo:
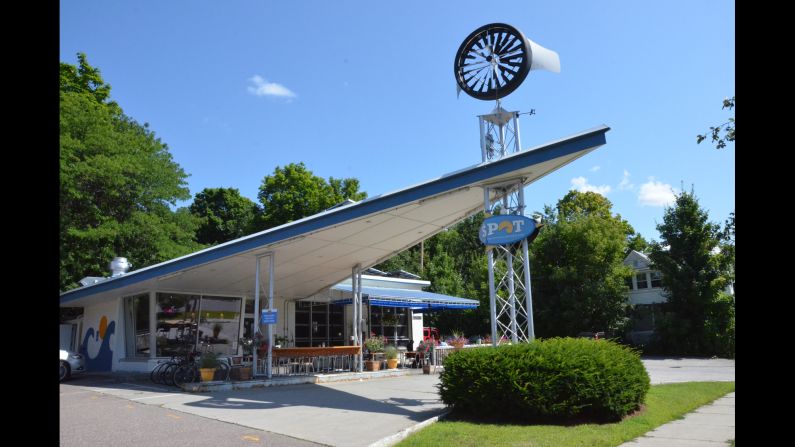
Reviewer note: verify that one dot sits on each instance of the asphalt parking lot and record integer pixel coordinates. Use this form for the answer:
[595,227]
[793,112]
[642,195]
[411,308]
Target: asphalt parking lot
[352,413]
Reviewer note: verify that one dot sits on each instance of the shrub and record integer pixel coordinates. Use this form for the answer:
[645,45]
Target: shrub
[557,379]
[374,344]
[391,352]
[209,360]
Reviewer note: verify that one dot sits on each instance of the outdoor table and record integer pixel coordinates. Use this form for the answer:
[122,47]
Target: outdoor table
[320,358]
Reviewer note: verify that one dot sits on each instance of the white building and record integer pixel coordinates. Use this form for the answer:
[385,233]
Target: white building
[131,320]
[645,293]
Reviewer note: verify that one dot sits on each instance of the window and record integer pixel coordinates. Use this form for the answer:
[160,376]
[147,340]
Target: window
[378,327]
[629,283]
[640,278]
[656,279]
[176,316]
[319,324]
[183,319]
[219,323]
[136,325]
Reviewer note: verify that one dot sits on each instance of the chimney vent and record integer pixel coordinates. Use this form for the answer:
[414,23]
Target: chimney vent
[118,267]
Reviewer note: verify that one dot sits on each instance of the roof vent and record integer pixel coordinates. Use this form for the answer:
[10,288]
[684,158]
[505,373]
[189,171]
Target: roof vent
[89,280]
[119,266]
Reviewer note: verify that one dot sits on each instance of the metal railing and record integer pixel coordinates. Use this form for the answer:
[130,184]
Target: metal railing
[440,353]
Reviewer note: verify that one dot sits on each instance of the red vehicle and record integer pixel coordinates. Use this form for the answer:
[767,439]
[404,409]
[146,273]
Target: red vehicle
[430,333]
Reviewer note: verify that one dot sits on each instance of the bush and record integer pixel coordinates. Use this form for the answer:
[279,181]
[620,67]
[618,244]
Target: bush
[557,379]
[391,352]
[374,344]
[209,360]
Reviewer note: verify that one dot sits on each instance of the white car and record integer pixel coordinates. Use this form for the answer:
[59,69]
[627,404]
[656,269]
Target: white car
[71,363]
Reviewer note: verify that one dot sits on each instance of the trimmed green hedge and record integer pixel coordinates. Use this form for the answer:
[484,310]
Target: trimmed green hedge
[554,379]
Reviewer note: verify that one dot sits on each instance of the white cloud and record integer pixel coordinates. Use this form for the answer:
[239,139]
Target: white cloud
[656,193]
[262,87]
[581,184]
[625,184]
[596,168]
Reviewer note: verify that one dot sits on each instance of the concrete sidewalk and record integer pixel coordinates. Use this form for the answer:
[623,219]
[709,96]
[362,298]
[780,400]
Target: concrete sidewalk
[710,425]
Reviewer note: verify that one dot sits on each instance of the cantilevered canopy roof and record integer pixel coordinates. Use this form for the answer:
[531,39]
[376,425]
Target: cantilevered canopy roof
[412,299]
[314,253]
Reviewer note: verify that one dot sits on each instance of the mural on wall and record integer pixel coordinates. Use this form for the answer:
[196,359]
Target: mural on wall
[96,346]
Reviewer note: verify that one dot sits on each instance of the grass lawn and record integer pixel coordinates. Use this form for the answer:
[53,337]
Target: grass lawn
[664,403]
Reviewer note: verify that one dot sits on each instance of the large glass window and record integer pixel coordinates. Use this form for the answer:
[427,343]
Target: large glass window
[136,324]
[177,315]
[318,324]
[640,279]
[219,324]
[183,320]
[656,279]
[380,324]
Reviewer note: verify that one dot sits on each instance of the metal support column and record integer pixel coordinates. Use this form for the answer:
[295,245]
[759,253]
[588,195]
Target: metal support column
[270,308]
[258,316]
[492,292]
[356,284]
[531,333]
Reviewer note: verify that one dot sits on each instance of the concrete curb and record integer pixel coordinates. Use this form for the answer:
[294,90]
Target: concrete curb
[203,387]
[403,434]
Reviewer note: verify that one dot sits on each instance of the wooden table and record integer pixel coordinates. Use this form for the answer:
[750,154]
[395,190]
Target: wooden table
[316,358]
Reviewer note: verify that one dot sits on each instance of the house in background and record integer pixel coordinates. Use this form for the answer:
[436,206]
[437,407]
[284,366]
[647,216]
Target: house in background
[645,294]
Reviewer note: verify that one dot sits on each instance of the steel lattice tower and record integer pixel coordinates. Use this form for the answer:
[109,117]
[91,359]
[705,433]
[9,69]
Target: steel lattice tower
[510,297]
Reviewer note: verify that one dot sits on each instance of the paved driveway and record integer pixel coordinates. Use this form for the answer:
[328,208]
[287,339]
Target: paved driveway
[677,369]
[355,413]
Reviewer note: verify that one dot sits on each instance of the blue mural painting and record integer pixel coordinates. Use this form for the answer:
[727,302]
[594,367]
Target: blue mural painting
[96,346]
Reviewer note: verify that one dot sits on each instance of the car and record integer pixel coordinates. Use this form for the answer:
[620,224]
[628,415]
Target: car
[594,335]
[71,363]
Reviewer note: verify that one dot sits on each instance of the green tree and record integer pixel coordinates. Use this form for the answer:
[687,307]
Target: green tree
[698,318]
[117,181]
[638,243]
[578,275]
[723,133]
[455,263]
[224,215]
[294,192]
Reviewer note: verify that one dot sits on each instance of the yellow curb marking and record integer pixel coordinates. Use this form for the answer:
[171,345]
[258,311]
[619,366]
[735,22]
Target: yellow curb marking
[174,416]
[250,438]
[130,407]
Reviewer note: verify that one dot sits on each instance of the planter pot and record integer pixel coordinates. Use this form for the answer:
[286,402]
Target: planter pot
[426,369]
[372,365]
[241,373]
[391,363]
[207,374]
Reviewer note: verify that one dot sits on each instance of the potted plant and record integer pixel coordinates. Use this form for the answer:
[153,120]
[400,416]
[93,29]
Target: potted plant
[207,366]
[374,345]
[391,354]
[260,343]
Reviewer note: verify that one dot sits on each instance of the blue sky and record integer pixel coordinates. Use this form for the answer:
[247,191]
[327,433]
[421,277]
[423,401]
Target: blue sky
[366,89]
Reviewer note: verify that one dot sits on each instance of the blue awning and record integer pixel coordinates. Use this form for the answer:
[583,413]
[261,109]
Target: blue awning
[417,300]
